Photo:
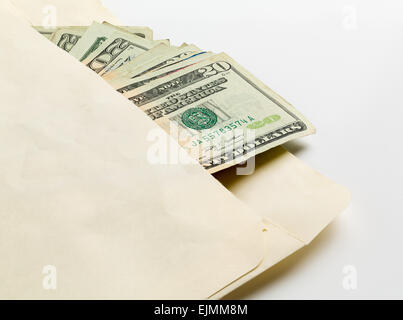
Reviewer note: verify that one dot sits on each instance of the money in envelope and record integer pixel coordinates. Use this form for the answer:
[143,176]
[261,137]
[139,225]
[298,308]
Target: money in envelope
[82,193]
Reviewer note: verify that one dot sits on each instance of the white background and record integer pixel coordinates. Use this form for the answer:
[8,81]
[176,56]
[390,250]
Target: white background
[341,64]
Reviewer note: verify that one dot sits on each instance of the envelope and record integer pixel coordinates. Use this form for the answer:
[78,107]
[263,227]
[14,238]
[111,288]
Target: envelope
[78,193]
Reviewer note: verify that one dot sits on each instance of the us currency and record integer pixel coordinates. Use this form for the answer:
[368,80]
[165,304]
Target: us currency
[169,59]
[142,63]
[98,33]
[124,73]
[142,32]
[132,70]
[220,113]
[45,31]
[66,38]
[144,78]
[118,49]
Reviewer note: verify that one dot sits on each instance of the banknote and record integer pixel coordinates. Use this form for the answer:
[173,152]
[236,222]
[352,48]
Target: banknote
[124,73]
[155,72]
[220,113]
[66,38]
[169,59]
[47,32]
[155,58]
[151,62]
[141,31]
[98,33]
[118,49]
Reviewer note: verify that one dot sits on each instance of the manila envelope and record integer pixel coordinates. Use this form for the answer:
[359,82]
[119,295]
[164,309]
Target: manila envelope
[79,195]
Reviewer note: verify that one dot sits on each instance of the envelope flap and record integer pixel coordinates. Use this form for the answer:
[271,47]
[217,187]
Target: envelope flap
[286,192]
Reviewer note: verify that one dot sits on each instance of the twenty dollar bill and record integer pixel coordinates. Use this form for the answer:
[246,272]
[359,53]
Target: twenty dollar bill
[220,113]
[119,48]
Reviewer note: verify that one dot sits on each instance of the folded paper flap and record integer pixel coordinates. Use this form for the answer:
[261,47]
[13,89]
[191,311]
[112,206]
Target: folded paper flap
[64,13]
[294,201]
[78,192]
[287,193]
[279,244]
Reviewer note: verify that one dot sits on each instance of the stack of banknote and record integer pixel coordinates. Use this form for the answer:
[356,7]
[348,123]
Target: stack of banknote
[214,108]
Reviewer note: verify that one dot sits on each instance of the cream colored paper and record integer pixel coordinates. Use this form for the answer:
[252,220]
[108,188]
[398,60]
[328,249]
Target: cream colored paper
[294,201]
[67,12]
[78,193]
[80,242]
